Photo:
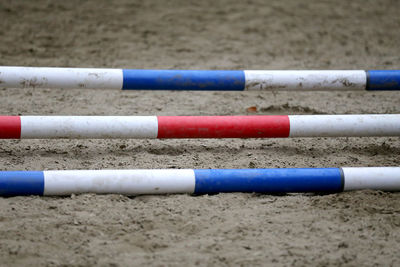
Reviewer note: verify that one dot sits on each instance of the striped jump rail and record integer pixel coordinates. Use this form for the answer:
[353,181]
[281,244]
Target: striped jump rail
[259,126]
[201,181]
[202,80]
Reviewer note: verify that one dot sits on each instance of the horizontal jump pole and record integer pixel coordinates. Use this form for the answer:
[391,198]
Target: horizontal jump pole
[202,80]
[203,181]
[260,126]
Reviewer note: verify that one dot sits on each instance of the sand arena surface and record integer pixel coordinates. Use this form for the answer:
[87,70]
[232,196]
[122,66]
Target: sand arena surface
[226,229]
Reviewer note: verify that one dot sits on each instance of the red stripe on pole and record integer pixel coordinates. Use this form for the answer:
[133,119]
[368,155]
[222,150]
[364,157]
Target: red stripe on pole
[223,126]
[10,127]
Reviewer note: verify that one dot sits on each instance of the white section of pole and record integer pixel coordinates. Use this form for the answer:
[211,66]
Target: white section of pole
[306,80]
[344,125]
[67,78]
[126,182]
[37,127]
[376,178]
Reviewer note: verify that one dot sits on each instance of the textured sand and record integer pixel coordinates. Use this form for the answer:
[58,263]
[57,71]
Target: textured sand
[226,229]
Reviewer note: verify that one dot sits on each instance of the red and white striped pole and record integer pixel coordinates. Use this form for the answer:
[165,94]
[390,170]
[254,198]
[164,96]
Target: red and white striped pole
[104,127]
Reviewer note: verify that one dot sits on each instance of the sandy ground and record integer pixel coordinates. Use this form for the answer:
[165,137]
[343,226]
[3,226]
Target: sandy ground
[226,229]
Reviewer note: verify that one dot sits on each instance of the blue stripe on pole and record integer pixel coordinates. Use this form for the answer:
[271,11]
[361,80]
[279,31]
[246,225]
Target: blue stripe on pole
[211,80]
[19,183]
[383,80]
[269,180]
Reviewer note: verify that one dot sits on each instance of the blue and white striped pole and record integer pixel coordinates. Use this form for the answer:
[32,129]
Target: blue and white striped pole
[201,80]
[204,181]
